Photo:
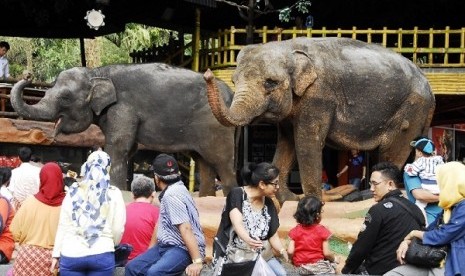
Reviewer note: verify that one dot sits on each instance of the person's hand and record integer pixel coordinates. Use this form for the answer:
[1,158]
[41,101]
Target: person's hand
[54,266]
[284,254]
[338,174]
[194,269]
[254,244]
[402,250]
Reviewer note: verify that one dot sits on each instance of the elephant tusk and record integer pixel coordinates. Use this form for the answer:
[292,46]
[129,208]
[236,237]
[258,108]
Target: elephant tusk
[56,128]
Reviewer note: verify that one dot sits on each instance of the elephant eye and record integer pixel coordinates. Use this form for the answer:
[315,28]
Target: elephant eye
[270,84]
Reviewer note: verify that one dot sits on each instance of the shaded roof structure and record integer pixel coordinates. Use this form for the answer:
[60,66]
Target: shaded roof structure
[65,18]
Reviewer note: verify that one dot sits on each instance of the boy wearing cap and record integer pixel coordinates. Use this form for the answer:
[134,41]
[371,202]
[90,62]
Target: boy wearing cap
[425,168]
[180,242]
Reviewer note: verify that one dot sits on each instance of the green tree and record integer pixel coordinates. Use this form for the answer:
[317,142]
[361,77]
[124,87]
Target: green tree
[46,58]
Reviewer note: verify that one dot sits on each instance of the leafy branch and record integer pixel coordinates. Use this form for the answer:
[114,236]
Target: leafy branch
[301,6]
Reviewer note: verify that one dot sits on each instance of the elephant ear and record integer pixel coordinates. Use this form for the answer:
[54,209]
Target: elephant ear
[304,73]
[102,94]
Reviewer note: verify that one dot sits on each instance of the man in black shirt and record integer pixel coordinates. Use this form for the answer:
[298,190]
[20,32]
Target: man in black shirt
[386,224]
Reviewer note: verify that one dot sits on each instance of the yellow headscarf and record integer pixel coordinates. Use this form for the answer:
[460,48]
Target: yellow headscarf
[451,181]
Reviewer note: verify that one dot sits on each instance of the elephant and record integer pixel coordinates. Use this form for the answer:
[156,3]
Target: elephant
[339,92]
[159,106]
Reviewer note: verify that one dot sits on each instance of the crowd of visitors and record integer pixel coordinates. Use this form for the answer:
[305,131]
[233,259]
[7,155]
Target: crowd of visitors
[75,228]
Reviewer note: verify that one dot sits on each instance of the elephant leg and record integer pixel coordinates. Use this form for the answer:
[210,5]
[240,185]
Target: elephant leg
[284,159]
[310,137]
[119,140]
[207,178]
[395,144]
[227,175]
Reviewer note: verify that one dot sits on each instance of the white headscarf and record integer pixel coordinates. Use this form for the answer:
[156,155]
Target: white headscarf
[90,199]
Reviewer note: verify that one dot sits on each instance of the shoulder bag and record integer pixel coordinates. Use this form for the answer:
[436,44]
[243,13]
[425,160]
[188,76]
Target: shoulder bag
[233,260]
[420,254]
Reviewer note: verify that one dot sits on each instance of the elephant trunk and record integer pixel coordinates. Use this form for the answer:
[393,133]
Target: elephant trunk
[217,105]
[38,111]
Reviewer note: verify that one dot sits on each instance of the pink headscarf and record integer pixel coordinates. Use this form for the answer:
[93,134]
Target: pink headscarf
[51,185]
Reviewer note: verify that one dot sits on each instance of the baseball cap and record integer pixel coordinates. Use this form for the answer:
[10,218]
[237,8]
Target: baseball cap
[423,144]
[165,165]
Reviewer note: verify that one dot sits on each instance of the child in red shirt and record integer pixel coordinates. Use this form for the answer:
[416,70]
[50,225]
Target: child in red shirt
[309,240]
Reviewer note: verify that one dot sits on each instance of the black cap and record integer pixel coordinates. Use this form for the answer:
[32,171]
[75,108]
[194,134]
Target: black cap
[164,165]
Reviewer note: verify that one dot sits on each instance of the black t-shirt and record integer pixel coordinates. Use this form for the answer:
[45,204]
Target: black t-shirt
[235,199]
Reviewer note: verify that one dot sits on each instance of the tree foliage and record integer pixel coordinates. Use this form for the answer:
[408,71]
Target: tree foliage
[48,57]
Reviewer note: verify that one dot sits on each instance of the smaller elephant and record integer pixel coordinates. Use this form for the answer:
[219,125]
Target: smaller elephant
[159,106]
[335,91]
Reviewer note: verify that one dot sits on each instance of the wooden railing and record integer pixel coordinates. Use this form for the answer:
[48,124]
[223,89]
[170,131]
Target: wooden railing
[427,48]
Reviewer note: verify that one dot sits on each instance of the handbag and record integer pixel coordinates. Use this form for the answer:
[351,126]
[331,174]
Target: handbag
[122,252]
[233,260]
[423,255]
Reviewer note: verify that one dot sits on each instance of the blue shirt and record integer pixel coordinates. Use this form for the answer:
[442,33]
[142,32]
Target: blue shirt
[411,183]
[176,207]
[452,233]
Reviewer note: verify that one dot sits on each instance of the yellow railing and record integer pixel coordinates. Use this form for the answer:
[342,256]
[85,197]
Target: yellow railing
[427,48]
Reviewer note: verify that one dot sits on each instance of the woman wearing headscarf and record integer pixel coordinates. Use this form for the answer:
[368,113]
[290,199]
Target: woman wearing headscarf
[91,222]
[451,181]
[35,224]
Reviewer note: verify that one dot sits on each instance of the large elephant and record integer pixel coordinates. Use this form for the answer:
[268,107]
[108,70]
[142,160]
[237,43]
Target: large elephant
[336,91]
[162,107]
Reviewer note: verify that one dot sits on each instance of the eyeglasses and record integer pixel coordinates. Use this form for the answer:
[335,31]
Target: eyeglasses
[275,184]
[374,183]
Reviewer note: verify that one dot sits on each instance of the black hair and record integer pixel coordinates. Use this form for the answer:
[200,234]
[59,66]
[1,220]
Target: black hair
[5,44]
[35,158]
[309,210]
[5,175]
[142,186]
[389,171]
[253,173]
[25,154]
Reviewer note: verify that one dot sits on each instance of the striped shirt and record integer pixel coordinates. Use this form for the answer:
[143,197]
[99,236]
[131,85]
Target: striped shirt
[425,168]
[176,207]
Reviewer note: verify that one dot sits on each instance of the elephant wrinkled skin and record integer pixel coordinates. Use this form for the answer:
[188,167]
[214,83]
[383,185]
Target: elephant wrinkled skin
[162,107]
[336,91]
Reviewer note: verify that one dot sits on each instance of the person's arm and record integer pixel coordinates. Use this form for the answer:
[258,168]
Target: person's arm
[327,251]
[4,213]
[276,244]
[291,248]
[153,240]
[236,220]
[192,246]
[119,215]
[364,243]
[364,172]
[425,195]
[342,171]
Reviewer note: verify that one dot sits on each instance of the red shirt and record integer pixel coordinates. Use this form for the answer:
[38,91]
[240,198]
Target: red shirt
[141,218]
[308,243]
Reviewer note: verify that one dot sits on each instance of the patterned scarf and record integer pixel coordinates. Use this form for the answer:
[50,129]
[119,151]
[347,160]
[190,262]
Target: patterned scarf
[451,181]
[90,198]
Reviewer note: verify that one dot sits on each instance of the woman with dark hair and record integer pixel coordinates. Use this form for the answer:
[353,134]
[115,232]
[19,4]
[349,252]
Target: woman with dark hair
[251,213]
[309,240]
[35,224]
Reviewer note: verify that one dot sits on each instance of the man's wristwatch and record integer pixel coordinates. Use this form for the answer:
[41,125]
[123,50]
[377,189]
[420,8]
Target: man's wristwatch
[197,261]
